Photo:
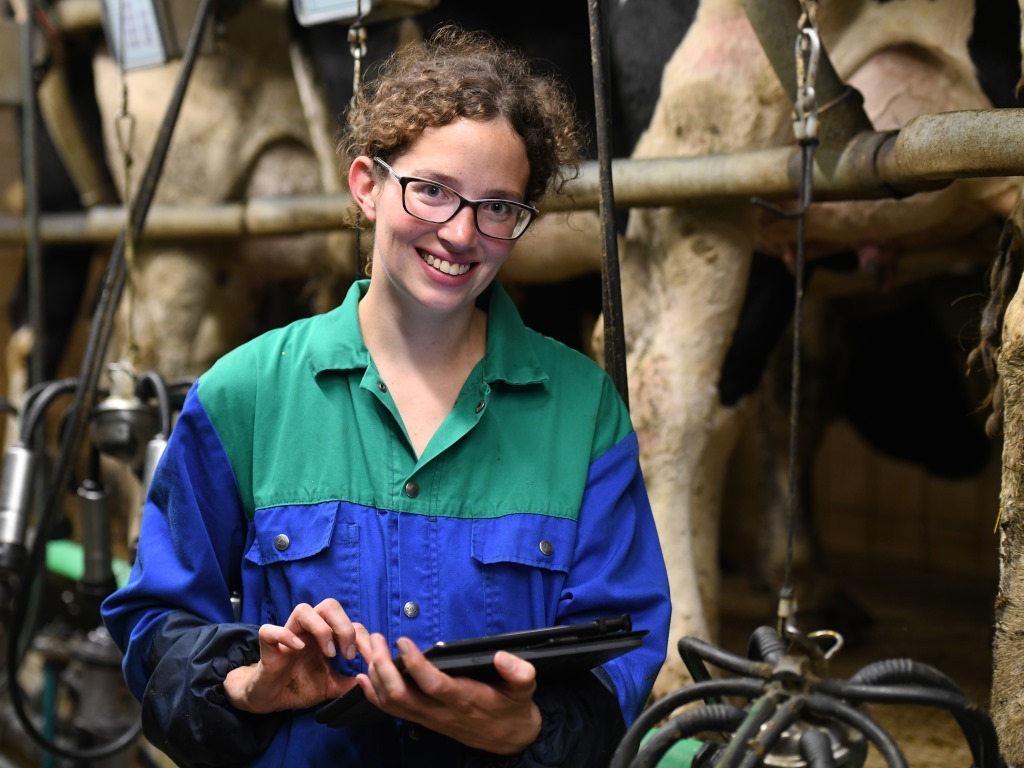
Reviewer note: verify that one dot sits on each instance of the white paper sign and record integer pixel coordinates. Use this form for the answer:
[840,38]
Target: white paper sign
[142,38]
[310,12]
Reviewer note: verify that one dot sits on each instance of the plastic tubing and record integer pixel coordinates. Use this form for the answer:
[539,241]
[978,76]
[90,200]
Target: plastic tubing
[664,706]
[829,707]
[975,724]
[163,398]
[816,749]
[712,717]
[690,646]
[766,645]
[759,713]
[772,731]
[40,402]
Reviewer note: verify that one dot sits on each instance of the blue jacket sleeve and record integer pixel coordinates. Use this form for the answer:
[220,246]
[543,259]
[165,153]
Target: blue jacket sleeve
[188,565]
[185,712]
[619,568]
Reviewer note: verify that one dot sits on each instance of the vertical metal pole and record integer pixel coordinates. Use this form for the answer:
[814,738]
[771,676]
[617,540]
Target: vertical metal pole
[611,289]
[30,175]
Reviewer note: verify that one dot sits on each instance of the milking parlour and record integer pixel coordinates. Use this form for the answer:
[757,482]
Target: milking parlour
[793,244]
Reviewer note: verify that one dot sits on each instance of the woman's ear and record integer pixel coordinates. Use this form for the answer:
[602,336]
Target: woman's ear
[363,187]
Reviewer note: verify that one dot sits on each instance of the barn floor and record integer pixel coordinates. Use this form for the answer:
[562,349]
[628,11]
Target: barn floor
[928,618]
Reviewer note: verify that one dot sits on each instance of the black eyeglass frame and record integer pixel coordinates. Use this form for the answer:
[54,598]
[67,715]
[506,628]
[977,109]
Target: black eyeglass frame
[463,202]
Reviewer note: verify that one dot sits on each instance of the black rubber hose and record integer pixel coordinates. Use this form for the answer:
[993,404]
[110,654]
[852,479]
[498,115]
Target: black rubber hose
[772,731]
[713,717]
[666,705]
[758,713]
[766,645]
[156,382]
[693,646]
[976,726]
[826,706]
[816,749]
[902,671]
[41,401]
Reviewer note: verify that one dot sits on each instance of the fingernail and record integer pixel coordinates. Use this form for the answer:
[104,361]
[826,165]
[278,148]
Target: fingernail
[332,651]
[505,661]
[350,652]
[404,644]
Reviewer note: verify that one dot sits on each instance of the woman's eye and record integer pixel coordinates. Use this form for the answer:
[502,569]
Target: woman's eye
[429,192]
[498,209]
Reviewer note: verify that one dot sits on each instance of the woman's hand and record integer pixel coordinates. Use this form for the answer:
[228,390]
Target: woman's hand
[500,718]
[294,671]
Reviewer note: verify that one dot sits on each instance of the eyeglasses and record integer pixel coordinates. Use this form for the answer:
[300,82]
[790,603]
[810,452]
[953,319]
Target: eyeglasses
[437,203]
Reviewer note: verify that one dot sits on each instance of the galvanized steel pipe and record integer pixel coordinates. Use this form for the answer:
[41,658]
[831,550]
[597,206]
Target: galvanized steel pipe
[928,153]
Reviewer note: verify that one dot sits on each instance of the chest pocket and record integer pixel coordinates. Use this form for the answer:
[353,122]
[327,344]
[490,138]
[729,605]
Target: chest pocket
[524,561]
[305,555]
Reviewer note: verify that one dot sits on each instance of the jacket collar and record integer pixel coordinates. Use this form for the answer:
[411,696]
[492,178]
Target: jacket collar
[336,343]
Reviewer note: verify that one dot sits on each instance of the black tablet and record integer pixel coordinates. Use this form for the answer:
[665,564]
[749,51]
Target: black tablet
[554,651]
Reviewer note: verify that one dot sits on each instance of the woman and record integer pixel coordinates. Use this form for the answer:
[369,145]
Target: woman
[412,467]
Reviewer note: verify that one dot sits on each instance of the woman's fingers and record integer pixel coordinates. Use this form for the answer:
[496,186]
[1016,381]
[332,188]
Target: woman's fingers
[272,637]
[328,625]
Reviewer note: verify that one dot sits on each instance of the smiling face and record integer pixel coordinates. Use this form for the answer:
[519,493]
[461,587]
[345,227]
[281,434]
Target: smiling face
[441,267]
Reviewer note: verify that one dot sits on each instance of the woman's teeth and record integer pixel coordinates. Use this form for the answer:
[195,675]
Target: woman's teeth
[446,266]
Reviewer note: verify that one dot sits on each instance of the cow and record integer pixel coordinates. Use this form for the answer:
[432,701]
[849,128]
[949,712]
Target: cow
[684,268]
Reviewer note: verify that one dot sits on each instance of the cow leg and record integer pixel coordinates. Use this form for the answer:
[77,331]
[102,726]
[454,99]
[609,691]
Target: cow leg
[677,309]
[683,278]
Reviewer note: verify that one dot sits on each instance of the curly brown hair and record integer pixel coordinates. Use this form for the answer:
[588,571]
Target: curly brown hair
[461,74]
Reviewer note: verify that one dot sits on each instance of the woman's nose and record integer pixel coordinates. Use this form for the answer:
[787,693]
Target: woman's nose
[460,230]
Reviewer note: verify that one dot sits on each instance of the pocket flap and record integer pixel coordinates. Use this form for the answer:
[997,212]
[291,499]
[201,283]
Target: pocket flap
[536,540]
[292,532]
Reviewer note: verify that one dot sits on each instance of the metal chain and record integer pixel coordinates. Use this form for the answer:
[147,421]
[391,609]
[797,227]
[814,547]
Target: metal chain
[124,128]
[357,47]
[807,53]
[805,126]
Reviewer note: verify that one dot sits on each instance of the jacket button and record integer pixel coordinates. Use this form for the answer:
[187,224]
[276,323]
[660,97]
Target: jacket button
[382,386]
[411,610]
[480,406]
[281,542]
[412,489]
[546,548]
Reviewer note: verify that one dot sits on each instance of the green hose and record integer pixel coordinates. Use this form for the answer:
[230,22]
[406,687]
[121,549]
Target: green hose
[65,558]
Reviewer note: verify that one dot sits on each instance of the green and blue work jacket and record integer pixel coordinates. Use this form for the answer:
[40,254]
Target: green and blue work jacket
[289,479]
